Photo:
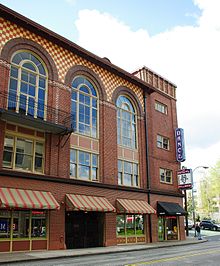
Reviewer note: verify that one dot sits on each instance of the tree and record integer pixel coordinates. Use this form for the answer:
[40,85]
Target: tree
[210,192]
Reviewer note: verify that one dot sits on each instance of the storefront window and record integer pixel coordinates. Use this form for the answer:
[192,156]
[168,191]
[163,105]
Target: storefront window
[130,225]
[139,224]
[19,223]
[5,224]
[167,228]
[38,224]
[120,225]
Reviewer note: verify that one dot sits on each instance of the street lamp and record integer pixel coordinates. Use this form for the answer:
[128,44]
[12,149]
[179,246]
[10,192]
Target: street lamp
[193,200]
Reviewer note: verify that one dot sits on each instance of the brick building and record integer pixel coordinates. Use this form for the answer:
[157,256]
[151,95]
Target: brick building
[87,149]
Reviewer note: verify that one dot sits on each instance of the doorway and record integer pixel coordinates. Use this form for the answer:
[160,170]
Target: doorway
[84,229]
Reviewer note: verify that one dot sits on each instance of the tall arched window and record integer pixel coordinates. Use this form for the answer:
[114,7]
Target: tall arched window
[27,87]
[84,107]
[126,122]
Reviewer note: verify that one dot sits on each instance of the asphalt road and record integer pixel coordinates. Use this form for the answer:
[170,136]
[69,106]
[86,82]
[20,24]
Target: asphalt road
[203,254]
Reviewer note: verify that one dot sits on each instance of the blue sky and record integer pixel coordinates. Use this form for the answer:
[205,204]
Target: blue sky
[179,39]
[154,15]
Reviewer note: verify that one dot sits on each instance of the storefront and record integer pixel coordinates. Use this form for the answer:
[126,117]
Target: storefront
[24,219]
[168,220]
[84,220]
[131,221]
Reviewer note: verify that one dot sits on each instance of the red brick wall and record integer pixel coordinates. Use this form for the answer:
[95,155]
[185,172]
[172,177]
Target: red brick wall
[154,199]
[162,124]
[110,229]
[108,145]
[57,217]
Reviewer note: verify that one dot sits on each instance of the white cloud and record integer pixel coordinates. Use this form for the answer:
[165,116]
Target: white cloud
[189,56]
[71,2]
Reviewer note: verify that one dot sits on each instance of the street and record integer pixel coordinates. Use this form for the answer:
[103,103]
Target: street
[207,253]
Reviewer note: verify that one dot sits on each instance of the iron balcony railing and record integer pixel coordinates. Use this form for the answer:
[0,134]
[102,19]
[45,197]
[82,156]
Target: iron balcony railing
[28,108]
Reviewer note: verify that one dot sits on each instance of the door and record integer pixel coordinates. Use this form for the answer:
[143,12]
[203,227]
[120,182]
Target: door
[84,229]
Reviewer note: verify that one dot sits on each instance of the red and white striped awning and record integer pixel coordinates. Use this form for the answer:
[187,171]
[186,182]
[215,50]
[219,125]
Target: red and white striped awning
[76,202]
[134,206]
[27,199]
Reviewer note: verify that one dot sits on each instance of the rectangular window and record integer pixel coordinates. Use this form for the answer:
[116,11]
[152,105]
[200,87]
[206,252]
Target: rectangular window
[23,224]
[163,142]
[161,107]
[165,176]
[83,165]
[130,225]
[23,154]
[128,173]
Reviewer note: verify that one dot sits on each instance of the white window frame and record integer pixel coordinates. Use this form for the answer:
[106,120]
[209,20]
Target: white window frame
[163,142]
[161,107]
[77,164]
[134,176]
[33,154]
[166,173]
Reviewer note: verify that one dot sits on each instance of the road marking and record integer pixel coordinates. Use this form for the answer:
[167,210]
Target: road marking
[173,258]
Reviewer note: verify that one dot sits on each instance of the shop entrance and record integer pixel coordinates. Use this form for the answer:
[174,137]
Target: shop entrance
[168,228]
[84,229]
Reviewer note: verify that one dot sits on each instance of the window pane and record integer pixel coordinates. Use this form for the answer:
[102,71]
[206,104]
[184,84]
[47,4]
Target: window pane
[74,95]
[119,166]
[24,87]
[73,170]
[120,227]
[130,228]
[41,94]
[14,72]
[22,105]
[24,146]
[23,161]
[24,76]
[83,172]
[84,89]
[139,224]
[72,156]
[5,223]
[94,160]
[42,82]
[38,224]
[21,224]
[32,79]
[120,181]
[127,180]
[128,167]
[13,84]
[94,173]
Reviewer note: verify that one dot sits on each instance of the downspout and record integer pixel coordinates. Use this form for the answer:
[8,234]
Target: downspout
[147,163]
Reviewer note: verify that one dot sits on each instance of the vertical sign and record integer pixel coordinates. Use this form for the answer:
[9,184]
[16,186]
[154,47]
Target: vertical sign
[180,145]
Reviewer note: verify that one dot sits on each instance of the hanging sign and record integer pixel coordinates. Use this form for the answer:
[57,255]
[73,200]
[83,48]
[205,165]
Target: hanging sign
[180,145]
[185,178]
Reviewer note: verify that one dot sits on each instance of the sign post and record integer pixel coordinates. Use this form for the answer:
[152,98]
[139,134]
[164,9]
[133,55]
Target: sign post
[185,182]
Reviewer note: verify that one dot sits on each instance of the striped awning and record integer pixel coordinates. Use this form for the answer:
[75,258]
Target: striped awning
[27,199]
[76,202]
[134,206]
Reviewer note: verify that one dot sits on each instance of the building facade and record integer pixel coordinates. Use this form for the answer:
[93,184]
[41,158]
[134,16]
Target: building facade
[87,149]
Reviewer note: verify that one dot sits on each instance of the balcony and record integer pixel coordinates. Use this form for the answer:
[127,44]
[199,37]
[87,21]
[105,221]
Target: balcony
[24,111]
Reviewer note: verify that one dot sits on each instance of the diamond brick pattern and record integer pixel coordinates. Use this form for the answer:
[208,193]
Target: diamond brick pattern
[64,59]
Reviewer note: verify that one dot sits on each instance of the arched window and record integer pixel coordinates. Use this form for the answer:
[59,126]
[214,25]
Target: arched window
[27,87]
[84,107]
[126,122]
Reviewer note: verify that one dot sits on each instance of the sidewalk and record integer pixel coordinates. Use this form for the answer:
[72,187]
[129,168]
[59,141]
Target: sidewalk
[52,254]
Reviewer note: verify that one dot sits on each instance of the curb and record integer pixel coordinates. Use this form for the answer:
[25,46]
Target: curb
[89,253]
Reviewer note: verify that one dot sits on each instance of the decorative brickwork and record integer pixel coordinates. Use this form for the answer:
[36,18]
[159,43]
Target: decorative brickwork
[64,59]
